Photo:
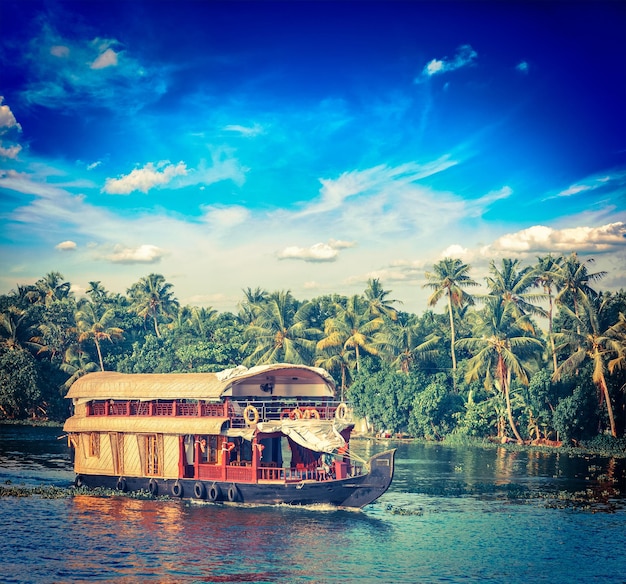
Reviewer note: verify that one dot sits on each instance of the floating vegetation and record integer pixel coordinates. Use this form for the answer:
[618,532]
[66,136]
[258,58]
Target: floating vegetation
[53,492]
[401,510]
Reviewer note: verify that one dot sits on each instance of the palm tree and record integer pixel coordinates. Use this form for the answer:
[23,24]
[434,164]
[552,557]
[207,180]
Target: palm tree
[97,292]
[17,331]
[449,277]
[93,325]
[152,297]
[77,363]
[253,299]
[281,332]
[51,287]
[501,349]
[353,328]
[342,361]
[592,341]
[547,276]
[512,283]
[378,303]
[575,281]
[403,341]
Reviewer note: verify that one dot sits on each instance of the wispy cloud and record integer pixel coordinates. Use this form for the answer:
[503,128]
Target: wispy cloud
[245,131]
[605,182]
[65,72]
[523,67]
[146,178]
[465,55]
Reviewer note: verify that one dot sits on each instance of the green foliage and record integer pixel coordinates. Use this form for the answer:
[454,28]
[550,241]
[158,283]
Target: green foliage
[576,416]
[20,392]
[435,409]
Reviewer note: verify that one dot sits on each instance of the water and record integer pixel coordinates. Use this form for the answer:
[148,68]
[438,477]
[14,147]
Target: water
[451,515]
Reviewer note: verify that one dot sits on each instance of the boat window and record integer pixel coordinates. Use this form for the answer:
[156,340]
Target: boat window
[154,454]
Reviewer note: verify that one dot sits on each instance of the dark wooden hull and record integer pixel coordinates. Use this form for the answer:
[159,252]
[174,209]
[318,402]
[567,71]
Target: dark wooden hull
[350,492]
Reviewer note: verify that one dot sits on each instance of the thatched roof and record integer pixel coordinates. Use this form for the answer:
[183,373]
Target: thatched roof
[204,386]
[146,424]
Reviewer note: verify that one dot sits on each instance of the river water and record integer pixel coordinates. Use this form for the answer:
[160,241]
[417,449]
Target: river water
[451,515]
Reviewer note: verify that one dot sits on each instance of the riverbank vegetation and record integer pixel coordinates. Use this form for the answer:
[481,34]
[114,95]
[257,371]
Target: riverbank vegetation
[540,357]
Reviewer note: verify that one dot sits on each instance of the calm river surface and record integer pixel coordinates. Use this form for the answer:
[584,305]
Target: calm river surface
[451,515]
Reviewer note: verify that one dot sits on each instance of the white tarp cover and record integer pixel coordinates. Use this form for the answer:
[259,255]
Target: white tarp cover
[316,435]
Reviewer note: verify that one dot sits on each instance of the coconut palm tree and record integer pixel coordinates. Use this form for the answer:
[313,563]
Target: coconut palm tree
[152,297]
[77,363]
[248,308]
[404,343]
[575,281]
[353,328]
[17,331]
[602,345]
[377,301]
[95,325]
[51,287]
[501,349]
[448,278]
[513,284]
[281,332]
[341,361]
[546,274]
[97,292]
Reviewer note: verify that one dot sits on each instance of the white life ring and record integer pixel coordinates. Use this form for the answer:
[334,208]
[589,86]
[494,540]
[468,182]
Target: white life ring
[251,415]
[342,411]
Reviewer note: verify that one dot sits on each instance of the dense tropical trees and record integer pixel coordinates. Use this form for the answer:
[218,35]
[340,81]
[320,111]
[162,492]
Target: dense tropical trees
[575,281]
[501,350]
[152,297]
[449,278]
[280,331]
[394,371]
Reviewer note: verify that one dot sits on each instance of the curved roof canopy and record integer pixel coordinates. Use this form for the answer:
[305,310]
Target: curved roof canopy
[204,386]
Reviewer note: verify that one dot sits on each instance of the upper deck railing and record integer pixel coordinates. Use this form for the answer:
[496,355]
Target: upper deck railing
[240,412]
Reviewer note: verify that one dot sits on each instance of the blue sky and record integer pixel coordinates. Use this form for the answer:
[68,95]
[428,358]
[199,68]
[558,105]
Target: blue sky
[307,146]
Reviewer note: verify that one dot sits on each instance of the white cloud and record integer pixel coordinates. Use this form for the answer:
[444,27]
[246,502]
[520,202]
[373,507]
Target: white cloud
[7,119]
[11,151]
[523,67]
[66,246]
[319,252]
[144,254]
[144,179]
[94,165]
[106,59]
[542,239]
[465,55]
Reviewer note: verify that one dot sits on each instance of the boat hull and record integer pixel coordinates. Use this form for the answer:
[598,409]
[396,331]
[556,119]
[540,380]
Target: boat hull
[353,492]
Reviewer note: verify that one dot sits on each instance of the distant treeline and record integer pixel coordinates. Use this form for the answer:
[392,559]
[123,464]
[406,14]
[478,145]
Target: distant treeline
[483,367]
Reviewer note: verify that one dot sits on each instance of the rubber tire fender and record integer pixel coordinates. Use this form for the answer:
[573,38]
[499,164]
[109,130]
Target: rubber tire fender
[177,489]
[199,492]
[121,485]
[233,493]
[153,487]
[214,492]
[79,481]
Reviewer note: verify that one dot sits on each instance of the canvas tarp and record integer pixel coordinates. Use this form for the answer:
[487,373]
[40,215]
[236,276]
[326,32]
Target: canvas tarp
[316,435]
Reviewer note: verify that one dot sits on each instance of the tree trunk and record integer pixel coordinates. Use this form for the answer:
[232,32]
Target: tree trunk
[554,362]
[609,407]
[504,373]
[99,353]
[452,337]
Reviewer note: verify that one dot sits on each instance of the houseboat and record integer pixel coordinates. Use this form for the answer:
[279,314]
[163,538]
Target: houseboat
[270,434]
